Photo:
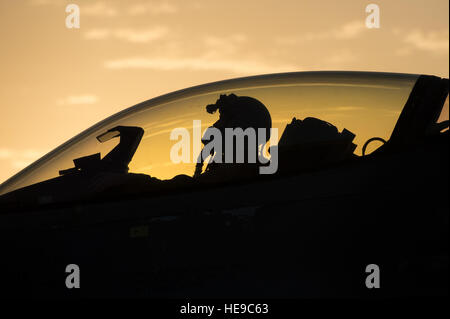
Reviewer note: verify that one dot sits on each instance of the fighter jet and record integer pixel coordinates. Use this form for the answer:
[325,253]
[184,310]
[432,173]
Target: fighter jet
[340,172]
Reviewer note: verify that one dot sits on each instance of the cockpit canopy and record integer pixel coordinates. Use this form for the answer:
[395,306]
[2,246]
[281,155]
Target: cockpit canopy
[351,107]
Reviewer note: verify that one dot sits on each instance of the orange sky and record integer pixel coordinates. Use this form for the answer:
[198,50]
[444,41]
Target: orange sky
[57,81]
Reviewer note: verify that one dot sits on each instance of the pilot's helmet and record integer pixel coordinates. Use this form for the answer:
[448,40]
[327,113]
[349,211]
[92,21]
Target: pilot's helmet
[241,111]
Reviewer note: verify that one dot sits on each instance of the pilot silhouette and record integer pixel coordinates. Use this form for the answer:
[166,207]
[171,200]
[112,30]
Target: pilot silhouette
[235,112]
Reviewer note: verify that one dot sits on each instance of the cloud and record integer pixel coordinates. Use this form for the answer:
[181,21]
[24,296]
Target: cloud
[152,8]
[130,35]
[350,30]
[98,9]
[225,41]
[220,46]
[97,34]
[5,153]
[240,66]
[78,99]
[141,36]
[432,41]
[20,158]
[217,54]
